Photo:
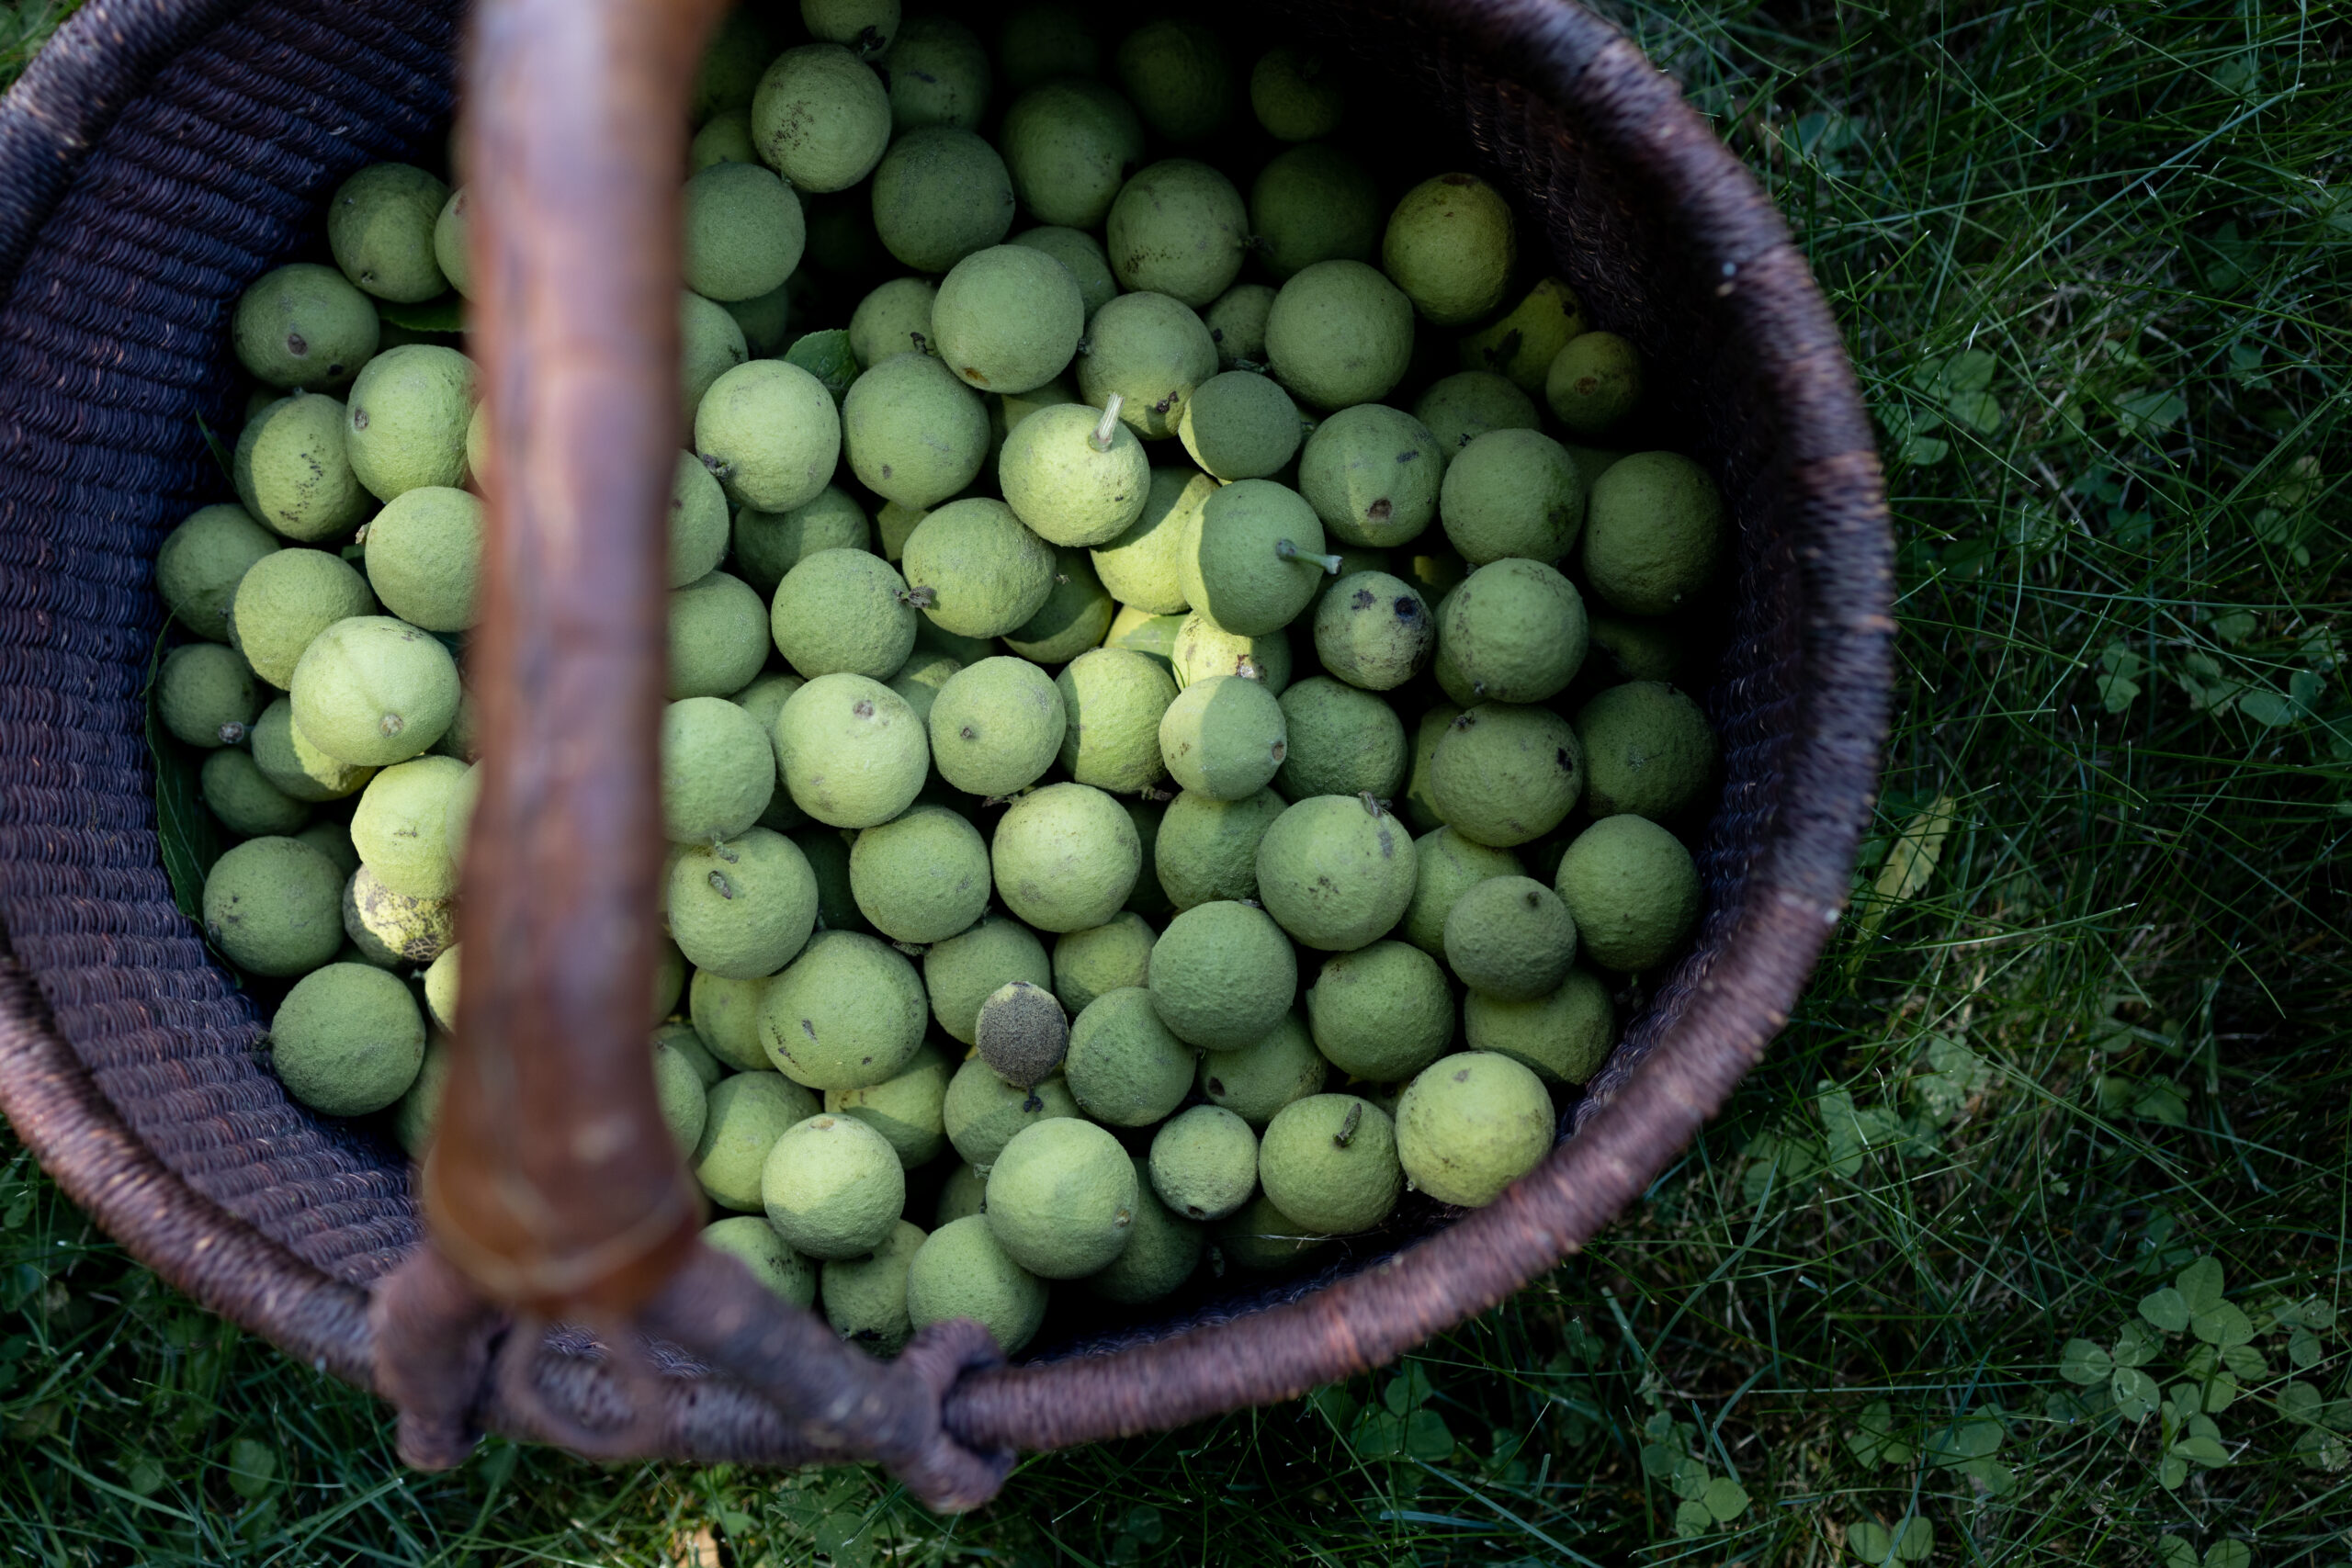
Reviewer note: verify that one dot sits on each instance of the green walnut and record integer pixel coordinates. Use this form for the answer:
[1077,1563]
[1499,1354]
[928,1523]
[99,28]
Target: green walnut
[1177,74]
[1329,1162]
[1081,253]
[752,1241]
[1419,809]
[1372,475]
[719,768]
[983,1111]
[1240,426]
[1237,323]
[1201,650]
[1342,741]
[1339,334]
[744,232]
[1151,351]
[1373,631]
[1224,737]
[1649,749]
[1204,1162]
[379,226]
[1593,382]
[678,1089]
[865,1298]
[1257,558]
[921,878]
[913,434]
[1447,866]
[1161,1253]
[1460,409]
[372,691]
[295,767]
[833,1187]
[853,752]
[1296,96]
[1261,1238]
[1099,958]
[1471,1125]
[1505,776]
[401,828]
[894,318]
[407,419]
[1223,976]
[769,432]
[1513,492]
[304,327]
[1632,890]
[1311,204]
[1069,145]
[820,117]
[1450,246]
[1061,1198]
[1521,343]
[1075,616]
[1381,1013]
[1112,701]
[940,194]
[907,1109]
[1178,228]
[1656,535]
[1336,870]
[1066,857]
[1514,632]
[847,1014]
[1125,1068]
[1511,938]
[1562,1036]
[348,1039]
[725,1014]
[201,562]
[844,609]
[741,908]
[962,1271]
[962,972]
[718,637]
[293,470]
[747,1112]
[770,543]
[391,928]
[1007,319]
[424,557]
[204,695]
[710,343]
[937,71]
[241,795]
[1207,849]
[1257,1080]
[275,906]
[996,727]
[1075,475]
[976,569]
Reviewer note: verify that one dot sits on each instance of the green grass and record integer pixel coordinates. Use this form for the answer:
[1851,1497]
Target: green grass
[1931,1290]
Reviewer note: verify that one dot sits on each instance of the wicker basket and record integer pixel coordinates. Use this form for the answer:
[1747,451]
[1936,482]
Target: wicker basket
[161,153]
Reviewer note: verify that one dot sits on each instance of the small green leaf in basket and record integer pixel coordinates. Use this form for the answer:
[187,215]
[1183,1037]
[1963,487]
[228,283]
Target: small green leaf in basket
[826,357]
[187,837]
[446,314]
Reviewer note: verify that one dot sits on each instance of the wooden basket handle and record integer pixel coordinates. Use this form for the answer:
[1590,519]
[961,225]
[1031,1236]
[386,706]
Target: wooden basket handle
[553,1188]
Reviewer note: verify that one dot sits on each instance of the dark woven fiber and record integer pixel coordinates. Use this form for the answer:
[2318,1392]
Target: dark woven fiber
[161,154]
[155,159]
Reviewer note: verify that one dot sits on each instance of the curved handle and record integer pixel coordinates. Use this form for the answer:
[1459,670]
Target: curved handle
[553,1186]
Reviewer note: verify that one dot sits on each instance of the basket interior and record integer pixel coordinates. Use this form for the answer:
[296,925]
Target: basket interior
[118,376]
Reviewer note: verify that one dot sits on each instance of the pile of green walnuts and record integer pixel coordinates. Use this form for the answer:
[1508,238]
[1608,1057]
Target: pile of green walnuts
[1173,737]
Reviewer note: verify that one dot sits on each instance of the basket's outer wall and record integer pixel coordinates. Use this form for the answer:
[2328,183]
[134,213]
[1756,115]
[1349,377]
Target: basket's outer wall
[157,1119]
[153,158]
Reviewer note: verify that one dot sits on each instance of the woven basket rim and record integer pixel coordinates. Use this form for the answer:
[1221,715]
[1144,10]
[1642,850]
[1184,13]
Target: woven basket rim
[1797,887]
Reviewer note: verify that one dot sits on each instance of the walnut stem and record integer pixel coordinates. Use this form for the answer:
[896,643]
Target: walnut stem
[1109,427]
